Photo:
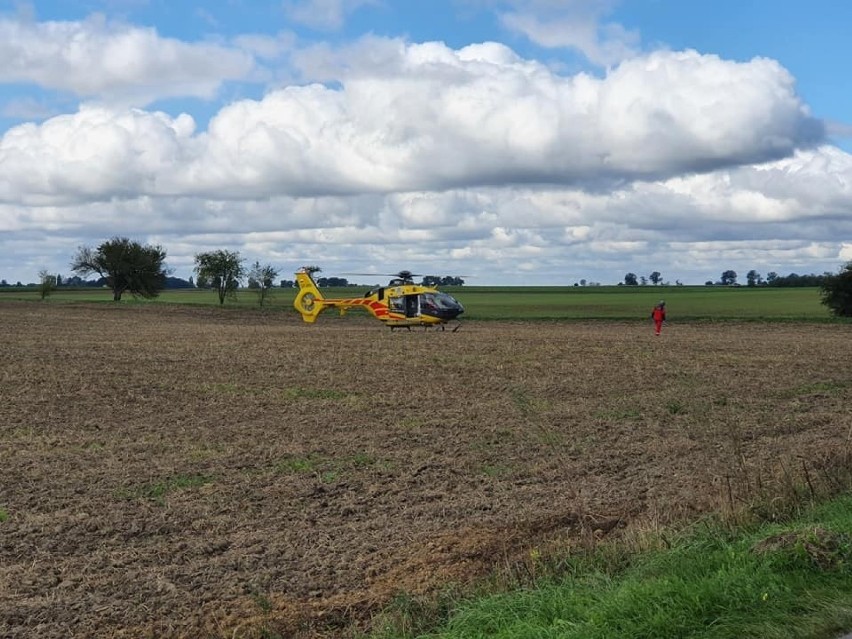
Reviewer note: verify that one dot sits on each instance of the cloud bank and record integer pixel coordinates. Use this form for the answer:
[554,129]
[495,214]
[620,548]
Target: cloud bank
[396,154]
[427,118]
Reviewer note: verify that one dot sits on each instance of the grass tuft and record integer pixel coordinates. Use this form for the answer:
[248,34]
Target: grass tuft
[306,464]
[158,491]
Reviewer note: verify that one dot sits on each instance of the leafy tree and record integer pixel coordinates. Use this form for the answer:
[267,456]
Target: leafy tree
[771,277]
[794,279]
[729,277]
[656,278]
[752,278]
[125,265]
[643,280]
[836,291]
[324,282]
[631,280]
[222,269]
[263,278]
[445,280]
[46,283]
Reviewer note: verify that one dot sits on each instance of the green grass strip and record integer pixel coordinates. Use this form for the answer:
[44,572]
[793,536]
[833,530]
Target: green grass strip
[774,581]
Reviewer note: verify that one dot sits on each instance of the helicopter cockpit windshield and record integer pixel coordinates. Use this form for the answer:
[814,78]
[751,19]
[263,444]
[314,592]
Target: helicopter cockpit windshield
[440,305]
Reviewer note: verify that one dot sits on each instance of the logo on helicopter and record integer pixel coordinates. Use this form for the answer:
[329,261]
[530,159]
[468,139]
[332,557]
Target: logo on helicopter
[400,304]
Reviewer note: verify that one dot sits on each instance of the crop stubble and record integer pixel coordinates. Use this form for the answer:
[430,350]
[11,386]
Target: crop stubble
[172,471]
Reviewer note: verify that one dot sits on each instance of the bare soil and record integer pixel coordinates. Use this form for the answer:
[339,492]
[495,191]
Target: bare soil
[198,472]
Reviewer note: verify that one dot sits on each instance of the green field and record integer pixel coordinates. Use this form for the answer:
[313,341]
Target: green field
[684,303]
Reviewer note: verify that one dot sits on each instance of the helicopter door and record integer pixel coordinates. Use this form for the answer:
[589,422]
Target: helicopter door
[412,305]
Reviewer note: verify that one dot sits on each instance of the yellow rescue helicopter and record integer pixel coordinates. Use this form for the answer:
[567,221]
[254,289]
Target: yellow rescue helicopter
[400,304]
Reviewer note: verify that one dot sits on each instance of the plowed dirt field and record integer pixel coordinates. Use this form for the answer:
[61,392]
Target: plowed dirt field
[199,472]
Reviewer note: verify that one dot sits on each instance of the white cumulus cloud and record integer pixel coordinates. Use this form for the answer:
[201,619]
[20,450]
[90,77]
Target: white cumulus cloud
[429,118]
[98,58]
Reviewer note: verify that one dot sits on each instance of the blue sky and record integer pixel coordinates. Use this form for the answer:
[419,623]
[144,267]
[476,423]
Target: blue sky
[523,141]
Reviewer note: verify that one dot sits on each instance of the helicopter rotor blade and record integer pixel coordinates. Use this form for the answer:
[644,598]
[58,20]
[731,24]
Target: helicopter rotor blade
[406,274]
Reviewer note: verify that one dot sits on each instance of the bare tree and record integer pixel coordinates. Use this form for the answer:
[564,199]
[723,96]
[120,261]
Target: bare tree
[46,283]
[261,278]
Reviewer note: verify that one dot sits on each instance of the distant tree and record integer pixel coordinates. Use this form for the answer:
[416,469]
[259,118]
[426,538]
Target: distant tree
[263,276]
[46,283]
[752,278]
[324,282]
[729,277]
[836,291]
[582,282]
[222,269]
[630,279]
[58,280]
[643,280]
[794,279]
[287,284]
[4,283]
[656,278]
[178,282]
[771,277]
[125,266]
[431,280]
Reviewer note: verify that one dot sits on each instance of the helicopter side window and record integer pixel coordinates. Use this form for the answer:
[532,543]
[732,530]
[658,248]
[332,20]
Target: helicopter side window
[439,301]
[396,304]
[427,302]
[378,292]
[412,305]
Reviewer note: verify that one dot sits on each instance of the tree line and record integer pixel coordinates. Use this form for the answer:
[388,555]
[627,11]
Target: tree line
[127,266]
[729,278]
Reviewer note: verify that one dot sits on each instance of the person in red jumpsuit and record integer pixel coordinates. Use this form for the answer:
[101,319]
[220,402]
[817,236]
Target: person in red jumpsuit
[659,316]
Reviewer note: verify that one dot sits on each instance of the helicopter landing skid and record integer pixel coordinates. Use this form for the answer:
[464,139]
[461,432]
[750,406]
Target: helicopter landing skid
[426,327]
